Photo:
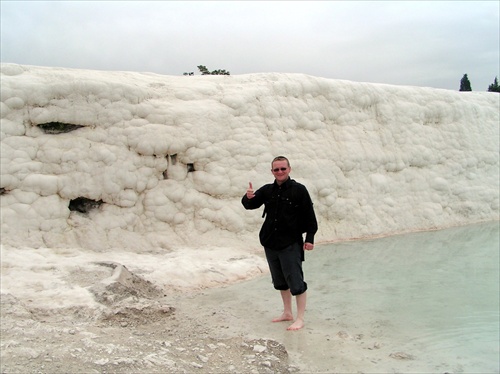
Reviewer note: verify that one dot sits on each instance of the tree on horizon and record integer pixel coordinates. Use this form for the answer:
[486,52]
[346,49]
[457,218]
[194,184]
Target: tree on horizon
[204,71]
[494,86]
[465,84]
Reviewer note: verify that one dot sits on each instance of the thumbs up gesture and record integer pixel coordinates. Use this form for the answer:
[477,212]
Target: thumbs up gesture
[250,193]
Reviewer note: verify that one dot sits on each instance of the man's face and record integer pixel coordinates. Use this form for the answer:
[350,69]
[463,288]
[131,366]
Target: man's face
[280,171]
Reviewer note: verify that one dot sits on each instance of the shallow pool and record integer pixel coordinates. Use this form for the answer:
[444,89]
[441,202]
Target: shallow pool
[435,293]
[424,302]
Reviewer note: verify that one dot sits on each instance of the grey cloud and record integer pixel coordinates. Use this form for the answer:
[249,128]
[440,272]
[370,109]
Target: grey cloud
[397,42]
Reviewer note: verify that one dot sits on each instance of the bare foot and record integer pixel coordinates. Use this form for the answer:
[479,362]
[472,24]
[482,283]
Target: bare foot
[297,325]
[284,317]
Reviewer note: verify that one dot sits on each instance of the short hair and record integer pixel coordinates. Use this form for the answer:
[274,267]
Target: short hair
[280,158]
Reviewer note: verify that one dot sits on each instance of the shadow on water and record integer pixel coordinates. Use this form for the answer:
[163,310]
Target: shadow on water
[419,302]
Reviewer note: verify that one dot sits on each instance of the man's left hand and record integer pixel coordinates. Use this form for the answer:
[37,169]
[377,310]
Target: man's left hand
[308,246]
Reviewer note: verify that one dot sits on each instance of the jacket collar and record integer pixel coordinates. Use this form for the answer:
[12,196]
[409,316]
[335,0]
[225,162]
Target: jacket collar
[285,185]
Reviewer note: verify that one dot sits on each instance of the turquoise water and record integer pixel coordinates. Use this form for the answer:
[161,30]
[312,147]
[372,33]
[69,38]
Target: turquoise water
[436,292]
[433,296]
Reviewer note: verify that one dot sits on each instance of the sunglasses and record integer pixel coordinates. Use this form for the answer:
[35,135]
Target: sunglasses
[278,169]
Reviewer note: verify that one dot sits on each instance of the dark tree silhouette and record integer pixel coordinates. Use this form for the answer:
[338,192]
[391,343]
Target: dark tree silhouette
[204,71]
[465,84]
[494,86]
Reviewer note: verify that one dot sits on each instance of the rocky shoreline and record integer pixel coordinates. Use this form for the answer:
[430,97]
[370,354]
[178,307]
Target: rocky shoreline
[135,330]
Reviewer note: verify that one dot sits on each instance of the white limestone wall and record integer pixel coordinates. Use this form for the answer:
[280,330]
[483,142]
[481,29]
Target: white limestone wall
[170,157]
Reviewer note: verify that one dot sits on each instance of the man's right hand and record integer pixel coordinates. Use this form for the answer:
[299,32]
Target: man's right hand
[250,193]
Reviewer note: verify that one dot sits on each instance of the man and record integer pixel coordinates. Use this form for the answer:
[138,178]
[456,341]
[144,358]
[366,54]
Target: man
[289,213]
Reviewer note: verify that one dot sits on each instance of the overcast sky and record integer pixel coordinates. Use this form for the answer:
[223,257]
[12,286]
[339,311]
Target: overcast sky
[420,43]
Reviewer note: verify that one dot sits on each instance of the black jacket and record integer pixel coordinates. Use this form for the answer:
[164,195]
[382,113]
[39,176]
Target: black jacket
[288,211]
